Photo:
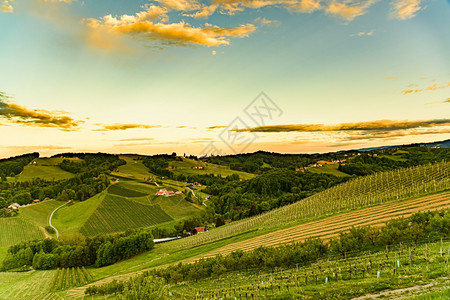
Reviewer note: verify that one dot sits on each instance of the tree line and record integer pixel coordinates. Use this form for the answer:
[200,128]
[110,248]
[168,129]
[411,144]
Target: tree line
[98,251]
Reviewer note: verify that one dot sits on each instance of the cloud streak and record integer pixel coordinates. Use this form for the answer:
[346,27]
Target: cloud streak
[432,87]
[120,126]
[405,9]
[15,113]
[380,125]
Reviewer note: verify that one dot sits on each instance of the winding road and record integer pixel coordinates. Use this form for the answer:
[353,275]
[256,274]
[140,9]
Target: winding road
[51,216]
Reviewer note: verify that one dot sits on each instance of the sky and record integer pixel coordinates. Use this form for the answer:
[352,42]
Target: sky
[222,76]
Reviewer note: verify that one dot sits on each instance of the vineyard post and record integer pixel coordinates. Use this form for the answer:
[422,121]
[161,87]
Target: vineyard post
[426,254]
[446,261]
[395,264]
[442,248]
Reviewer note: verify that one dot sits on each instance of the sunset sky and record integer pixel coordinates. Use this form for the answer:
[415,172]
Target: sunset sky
[187,75]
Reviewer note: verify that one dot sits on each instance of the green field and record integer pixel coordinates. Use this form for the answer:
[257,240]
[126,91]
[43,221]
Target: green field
[185,168]
[15,230]
[39,213]
[116,214]
[120,190]
[46,172]
[328,169]
[69,219]
[134,169]
[26,285]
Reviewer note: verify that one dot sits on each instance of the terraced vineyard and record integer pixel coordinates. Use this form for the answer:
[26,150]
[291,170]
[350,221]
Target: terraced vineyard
[117,214]
[67,278]
[119,190]
[15,230]
[358,193]
[330,227]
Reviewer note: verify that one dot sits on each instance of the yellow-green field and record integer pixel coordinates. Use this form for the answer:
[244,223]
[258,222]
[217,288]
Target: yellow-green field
[328,169]
[185,168]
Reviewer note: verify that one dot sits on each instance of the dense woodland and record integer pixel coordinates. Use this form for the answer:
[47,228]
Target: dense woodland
[12,166]
[99,251]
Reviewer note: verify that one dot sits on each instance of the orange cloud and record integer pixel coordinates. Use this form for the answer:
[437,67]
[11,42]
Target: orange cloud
[18,114]
[405,9]
[144,26]
[183,5]
[204,12]
[348,10]
[432,87]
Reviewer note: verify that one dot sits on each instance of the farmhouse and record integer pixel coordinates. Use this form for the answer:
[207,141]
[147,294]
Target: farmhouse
[161,192]
[178,192]
[200,230]
[14,206]
[199,167]
[197,184]
[165,193]
[36,201]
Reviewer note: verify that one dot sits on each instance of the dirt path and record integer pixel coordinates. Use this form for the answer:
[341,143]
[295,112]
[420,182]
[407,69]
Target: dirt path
[46,235]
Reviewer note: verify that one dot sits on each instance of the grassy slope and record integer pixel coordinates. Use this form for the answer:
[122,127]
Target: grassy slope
[185,167]
[45,168]
[40,212]
[328,169]
[15,230]
[69,219]
[25,285]
[134,169]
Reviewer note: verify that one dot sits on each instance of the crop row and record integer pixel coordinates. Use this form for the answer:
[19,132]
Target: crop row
[358,193]
[16,230]
[405,262]
[66,278]
[117,214]
[329,227]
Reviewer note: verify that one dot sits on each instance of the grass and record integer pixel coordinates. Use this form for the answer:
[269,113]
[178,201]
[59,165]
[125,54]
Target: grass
[69,219]
[120,190]
[44,172]
[25,285]
[310,281]
[39,213]
[116,214]
[15,230]
[134,169]
[185,168]
[328,169]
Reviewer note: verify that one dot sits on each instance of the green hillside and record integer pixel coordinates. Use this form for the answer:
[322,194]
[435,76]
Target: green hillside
[117,214]
[328,169]
[69,219]
[39,213]
[15,230]
[133,169]
[184,167]
[44,168]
